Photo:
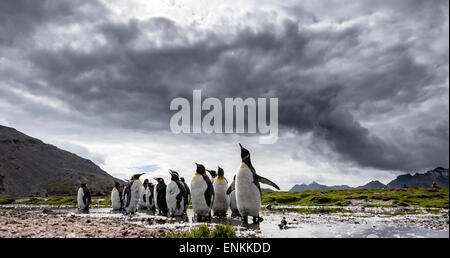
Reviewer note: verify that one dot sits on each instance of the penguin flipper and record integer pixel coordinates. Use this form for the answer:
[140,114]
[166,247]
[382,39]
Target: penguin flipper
[86,196]
[209,196]
[127,194]
[231,187]
[267,182]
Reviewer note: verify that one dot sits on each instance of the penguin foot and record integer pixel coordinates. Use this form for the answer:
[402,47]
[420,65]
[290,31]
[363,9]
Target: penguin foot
[257,220]
[245,220]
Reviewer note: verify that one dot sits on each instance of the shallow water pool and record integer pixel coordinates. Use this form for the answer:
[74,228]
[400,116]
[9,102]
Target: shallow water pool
[299,225]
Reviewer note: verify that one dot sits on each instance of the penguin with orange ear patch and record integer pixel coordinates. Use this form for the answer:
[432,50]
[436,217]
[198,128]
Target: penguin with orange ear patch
[221,199]
[160,196]
[248,190]
[202,194]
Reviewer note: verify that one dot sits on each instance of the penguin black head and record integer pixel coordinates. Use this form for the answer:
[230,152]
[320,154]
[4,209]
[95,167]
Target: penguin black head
[245,154]
[220,172]
[117,184]
[182,179]
[159,179]
[175,175]
[213,173]
[146,180]
[83,184]
[136,176]
[200,169]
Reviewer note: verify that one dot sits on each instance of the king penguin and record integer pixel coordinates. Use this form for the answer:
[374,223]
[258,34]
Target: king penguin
[221,198]
[213,174]
[144,200]
[202,192]
[248,190]
[175,195]
[188,194]
[116,197]
[132,193]
[83,198]
[233,205]
[159,194]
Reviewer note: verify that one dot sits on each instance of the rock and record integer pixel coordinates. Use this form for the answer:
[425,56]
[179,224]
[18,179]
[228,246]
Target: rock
[47,211]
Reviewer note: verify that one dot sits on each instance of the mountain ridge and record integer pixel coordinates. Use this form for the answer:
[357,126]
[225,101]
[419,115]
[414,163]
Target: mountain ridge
[28,166]
[437,175]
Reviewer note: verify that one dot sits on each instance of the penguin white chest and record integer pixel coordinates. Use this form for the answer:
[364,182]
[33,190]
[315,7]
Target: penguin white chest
[135,194]
[198,189]
[221,199]
[248,198]
[115,199]
[155,197]
[175,207]
[80,195]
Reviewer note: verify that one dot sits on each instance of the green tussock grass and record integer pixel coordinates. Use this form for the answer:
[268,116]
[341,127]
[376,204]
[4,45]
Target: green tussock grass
[399,197]
[7,200]
[221,231]
[310,210]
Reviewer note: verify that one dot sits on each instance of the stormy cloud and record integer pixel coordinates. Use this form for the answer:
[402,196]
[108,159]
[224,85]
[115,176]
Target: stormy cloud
[367,81]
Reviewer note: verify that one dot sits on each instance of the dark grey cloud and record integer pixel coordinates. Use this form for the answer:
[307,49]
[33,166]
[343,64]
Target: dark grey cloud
[332,74]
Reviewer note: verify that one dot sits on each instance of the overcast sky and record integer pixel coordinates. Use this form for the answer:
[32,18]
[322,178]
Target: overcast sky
[363,87]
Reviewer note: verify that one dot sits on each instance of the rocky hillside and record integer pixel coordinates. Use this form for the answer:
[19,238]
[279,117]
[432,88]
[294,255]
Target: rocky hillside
[30,167]
[438,175]
[372,185]
[316,186]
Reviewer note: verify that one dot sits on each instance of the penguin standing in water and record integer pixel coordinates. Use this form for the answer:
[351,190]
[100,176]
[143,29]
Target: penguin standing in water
[116,197]
[144,200]
[233,205]
[202,194]
[83,197]
[213,174]
[175,195]
[159,194]
[221,198]
[248,190]
[188,194]
[132,193]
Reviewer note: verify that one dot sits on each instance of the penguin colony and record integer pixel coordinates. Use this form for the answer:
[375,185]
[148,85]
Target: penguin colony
[210,195]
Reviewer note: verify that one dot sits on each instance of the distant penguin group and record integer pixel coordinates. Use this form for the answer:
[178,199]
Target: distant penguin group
[210,195]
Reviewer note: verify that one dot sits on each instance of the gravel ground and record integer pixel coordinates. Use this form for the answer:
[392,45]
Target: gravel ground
[19,223]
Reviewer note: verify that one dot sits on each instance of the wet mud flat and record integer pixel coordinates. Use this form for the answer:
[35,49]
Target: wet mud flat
[50,221]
